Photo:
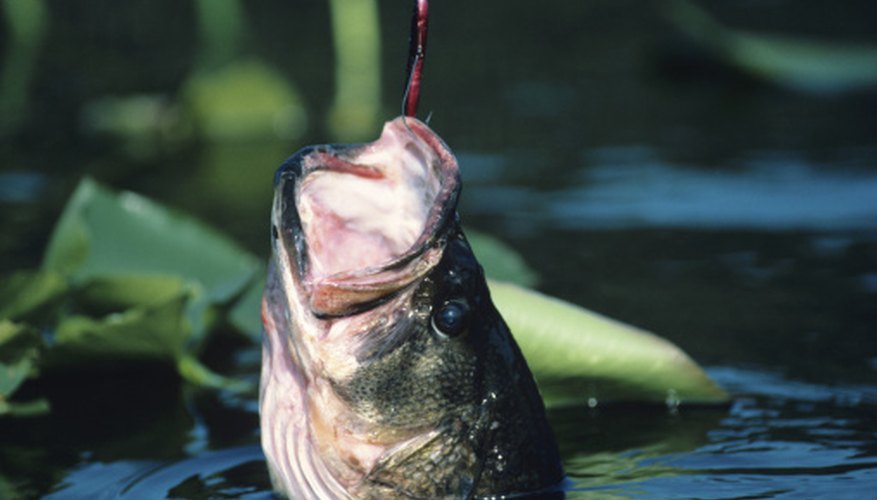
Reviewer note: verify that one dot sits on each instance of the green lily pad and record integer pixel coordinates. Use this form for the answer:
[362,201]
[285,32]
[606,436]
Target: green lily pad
[580,357]
[6,490]
[26,293]
[147,283]
[245,99]
[138,251]
[19,352]
[124,291]
[102,233]
[159,333]
[577,356]
[500,261]
[246,316]
[796,63]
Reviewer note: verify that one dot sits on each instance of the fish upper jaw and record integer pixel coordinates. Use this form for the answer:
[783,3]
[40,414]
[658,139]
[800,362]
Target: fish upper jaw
[355,228]
[358,223]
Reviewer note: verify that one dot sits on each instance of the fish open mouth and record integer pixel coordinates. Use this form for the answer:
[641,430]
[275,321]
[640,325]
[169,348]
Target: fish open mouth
[367,220]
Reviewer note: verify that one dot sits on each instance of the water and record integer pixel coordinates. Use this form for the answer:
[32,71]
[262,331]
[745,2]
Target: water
[735,218]
[787,440]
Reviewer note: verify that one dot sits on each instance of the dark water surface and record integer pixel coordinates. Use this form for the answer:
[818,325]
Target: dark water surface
[638,176]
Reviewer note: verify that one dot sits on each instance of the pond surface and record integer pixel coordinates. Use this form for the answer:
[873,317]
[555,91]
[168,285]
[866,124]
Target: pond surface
[638,175]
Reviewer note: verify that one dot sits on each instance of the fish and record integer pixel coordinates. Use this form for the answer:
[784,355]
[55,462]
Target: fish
[387,372]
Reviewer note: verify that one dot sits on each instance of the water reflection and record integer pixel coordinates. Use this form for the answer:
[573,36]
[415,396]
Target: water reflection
[783,439]
[780,438]
[227,473]
[21,186]
[642,190]
[770,384]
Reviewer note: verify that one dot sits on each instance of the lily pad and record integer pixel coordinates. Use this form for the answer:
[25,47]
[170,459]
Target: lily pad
[19,351]
[26,293]
[581,357]
[121,292]
[158,333]
[245,99]
[797,63]
[102,233]
[147,282]
[19,346]
[245,316]
[500,261]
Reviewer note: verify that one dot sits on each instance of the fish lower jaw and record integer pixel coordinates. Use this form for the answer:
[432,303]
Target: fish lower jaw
[296,468]
[308,457]
[308,452]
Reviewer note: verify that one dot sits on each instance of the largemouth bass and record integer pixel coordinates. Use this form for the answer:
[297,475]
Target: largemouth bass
[387,372]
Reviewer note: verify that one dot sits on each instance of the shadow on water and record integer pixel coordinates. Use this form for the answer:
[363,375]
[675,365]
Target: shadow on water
[229,473]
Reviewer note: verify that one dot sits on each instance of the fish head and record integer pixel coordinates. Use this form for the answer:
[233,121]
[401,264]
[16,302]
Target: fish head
[387,371]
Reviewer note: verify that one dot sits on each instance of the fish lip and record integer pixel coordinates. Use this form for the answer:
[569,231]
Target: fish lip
[330,296]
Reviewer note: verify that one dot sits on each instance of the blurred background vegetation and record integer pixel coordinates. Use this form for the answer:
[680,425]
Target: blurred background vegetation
[753,118]
[197,102]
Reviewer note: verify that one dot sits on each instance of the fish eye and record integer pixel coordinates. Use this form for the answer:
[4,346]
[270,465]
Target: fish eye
[451,319]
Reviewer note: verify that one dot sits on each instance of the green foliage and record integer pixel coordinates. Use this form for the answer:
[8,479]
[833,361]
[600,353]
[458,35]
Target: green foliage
[148,332]
[797,63]
[221,25]
[125,279]
[103,234]
[356,36]
[245,315]
[499,261]
[244,99]
[6,490]
[26,27]
[19,351]
[579,356]
[23,294]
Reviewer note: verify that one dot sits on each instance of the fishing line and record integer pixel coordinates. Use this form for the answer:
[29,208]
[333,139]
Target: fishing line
[416,57]
[404,113]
